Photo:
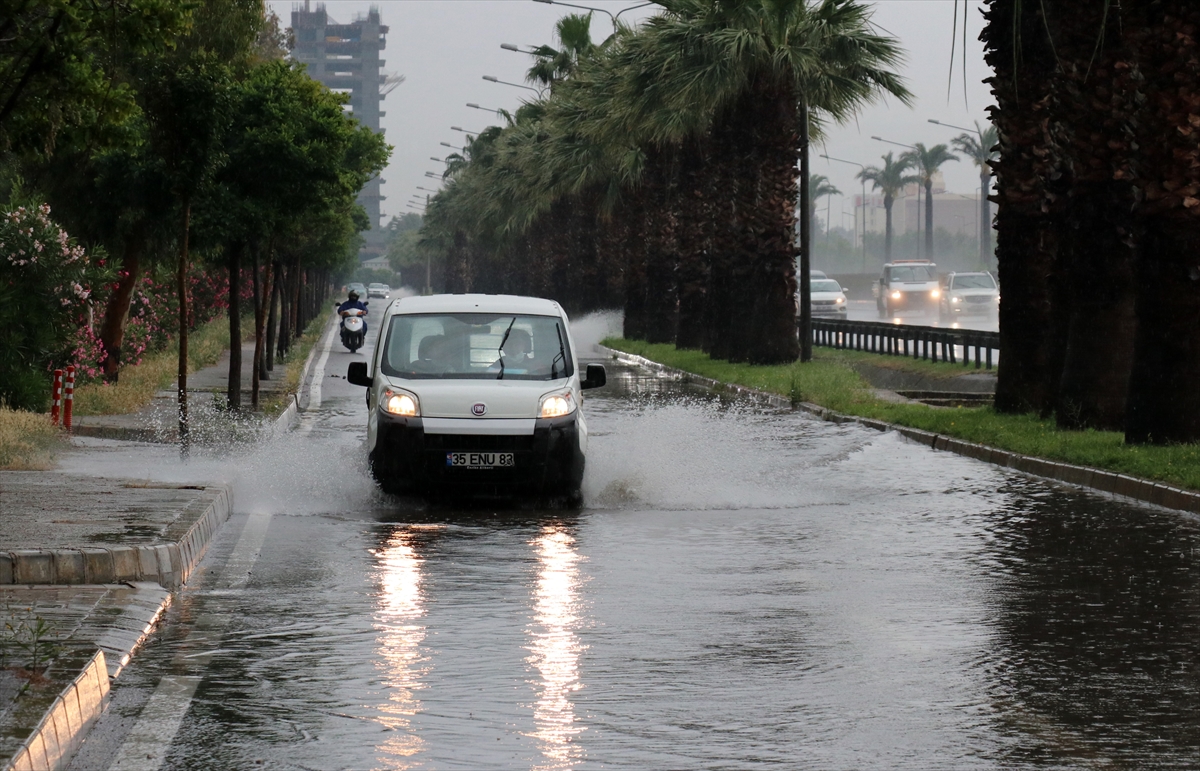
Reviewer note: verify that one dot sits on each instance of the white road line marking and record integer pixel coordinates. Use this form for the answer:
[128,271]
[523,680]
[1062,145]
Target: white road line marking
[145,747]
[318,375]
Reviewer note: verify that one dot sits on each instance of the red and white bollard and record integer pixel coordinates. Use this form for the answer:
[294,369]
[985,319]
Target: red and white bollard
[56,397]
[68,396]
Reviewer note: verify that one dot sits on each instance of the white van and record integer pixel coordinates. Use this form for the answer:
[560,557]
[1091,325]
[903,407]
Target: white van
[476,394]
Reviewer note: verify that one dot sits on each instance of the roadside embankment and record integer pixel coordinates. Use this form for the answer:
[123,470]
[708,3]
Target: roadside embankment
[830,386]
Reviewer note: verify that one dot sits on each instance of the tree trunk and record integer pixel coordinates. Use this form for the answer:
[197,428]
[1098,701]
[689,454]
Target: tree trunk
[769,294]
[806,342]
[634,248]
[929,219]
[272,318]
[181,289]
[724,184]
[662,306]
[985,222]
[233,392]
[1164,400]
[1028,198]
[694,240]
[285,313]
[887,228]
[116,312]
[260,328]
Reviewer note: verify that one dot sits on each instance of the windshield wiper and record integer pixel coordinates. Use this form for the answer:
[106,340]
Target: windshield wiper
[500,349]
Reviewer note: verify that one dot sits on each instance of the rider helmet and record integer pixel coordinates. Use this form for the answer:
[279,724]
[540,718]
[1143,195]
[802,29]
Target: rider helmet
[353,295]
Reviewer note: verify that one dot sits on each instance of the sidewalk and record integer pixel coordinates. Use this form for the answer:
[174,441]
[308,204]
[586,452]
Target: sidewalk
[207,388]
[89,563]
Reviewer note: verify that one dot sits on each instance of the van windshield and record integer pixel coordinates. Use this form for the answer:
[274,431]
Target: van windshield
[480,346]
[911,273]
[974,281]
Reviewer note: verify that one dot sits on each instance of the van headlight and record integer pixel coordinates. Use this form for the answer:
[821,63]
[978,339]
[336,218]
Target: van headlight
[556,405]
[400,403]
[935,293]
[955,299]
[895,295]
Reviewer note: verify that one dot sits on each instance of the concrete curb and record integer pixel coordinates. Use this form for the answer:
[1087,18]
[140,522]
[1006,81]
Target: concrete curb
[65,724]
[1117,485]
[291,415]
[168,564]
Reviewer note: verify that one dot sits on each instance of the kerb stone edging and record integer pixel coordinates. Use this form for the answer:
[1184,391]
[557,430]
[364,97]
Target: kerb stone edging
[289,416]
[1122,485]
[168,564]
[67,721]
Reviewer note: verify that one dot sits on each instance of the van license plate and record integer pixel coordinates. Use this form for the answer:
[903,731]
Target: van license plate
[471,460]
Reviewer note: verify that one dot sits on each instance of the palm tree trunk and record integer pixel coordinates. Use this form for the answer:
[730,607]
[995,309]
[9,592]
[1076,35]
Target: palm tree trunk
[929,219]
[634,247]
[806,351]
[662,306]
[1164,400]
[765,326]
[1017,48]
[694,239]
[985,222]
[233,390]
[887,228]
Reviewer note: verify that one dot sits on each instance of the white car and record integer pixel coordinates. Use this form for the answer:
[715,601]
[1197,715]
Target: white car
[476,394]
[968,294]
[907,285]
[828,299]
[379,290]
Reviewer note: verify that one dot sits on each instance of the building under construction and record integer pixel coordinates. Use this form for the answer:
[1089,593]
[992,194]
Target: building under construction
[346,58]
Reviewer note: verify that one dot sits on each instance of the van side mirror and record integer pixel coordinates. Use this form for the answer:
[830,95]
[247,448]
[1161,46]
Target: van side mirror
[596,376]
[356,373]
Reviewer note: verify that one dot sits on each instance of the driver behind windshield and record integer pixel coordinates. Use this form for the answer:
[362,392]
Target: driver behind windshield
[516,356]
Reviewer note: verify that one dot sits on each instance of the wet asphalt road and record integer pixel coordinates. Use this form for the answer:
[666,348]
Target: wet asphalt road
[745,588]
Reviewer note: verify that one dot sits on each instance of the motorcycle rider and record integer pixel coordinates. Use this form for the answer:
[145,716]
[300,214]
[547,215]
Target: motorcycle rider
[350,304]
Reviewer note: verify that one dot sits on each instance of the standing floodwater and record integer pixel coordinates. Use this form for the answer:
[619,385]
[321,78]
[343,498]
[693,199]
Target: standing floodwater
[745,588]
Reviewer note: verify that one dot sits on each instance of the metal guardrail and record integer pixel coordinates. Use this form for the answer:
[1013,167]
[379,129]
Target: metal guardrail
[933,343]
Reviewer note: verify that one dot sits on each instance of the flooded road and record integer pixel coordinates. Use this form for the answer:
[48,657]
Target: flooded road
[744,588]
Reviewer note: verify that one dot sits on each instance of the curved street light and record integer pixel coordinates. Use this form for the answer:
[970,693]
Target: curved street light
[494,79]
[489,109]
[452,147]
[597,10]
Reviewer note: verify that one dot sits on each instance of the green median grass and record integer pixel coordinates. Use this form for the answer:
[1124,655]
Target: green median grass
[831,382]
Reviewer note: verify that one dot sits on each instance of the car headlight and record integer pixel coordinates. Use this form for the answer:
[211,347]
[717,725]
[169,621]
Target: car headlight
[556,405]
[400,403]
[895,295]
[839,300]
[955,299]
[935,293]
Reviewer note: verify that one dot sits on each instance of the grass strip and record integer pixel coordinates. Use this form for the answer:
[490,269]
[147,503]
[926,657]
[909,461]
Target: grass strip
[158,371]
[294,364]
[27,440]
[829,381]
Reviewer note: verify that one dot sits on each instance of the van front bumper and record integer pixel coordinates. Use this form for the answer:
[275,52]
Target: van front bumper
[546,462]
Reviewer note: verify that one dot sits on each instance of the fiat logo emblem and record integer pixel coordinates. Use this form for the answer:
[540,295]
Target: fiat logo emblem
[479,410]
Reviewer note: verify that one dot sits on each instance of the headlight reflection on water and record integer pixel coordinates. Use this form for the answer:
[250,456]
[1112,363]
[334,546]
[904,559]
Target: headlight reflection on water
[555,648]
[398,620]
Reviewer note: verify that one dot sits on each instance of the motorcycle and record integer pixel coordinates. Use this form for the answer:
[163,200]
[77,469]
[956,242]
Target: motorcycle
[353,328]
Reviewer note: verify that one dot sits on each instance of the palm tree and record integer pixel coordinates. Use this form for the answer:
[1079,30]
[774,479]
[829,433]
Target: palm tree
[891,179]
[736,72]
[819,187]
[926,162]
[982,150]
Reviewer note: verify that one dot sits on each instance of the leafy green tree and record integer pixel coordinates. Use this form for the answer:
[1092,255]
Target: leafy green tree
[891,178]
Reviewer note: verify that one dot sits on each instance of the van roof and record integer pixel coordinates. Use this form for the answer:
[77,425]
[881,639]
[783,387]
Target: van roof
[477,303]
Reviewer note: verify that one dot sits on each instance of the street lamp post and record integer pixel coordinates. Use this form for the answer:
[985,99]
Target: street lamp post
[494,79]
[919,192]
[463,130]
[489,109]
[863,199]
[452,147]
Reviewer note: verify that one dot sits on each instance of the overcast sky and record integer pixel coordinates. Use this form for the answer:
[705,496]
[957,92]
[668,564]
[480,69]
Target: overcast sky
[443,48]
